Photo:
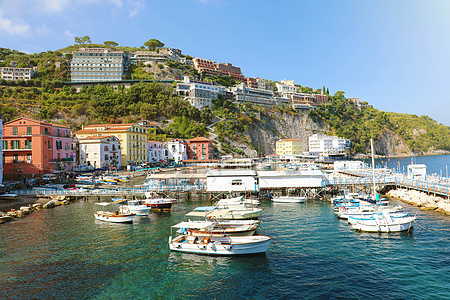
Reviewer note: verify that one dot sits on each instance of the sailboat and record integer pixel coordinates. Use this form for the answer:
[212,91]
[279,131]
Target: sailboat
[383,221]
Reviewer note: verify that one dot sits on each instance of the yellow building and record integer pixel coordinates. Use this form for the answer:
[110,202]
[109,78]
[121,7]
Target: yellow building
[132,138]
[288,147]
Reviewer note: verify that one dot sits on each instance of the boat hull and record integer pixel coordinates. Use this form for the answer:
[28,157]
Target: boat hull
[227,214]
[224,246]
[286,199]
[114,218]
[376,226]
[140,210]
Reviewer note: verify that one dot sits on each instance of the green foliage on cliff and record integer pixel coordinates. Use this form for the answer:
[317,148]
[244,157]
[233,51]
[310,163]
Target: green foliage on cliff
[101,104]
[346,120]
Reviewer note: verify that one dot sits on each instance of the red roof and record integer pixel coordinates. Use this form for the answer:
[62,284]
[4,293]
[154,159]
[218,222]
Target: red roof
[199,139]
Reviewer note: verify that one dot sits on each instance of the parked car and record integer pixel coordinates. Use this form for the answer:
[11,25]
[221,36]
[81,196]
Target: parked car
[49,177]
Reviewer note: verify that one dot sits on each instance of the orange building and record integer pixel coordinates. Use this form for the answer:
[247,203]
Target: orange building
[35,147]
[200,148]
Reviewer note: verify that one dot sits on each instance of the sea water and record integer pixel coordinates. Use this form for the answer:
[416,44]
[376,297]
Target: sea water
[64,253]
[436,164]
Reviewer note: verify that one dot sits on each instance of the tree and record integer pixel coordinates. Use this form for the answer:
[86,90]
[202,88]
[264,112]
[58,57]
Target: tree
[153,44]
[111,44]
[328,91]
[83,40]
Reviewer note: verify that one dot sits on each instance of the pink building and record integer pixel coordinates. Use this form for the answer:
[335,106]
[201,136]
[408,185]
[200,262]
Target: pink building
[200,148]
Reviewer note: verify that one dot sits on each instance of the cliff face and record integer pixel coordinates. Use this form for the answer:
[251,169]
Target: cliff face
[391,144]
[264,134]
[277,126]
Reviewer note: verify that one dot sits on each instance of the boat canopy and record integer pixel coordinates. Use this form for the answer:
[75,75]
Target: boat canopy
[196,225]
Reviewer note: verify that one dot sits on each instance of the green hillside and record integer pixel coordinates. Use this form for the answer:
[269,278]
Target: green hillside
[46,97]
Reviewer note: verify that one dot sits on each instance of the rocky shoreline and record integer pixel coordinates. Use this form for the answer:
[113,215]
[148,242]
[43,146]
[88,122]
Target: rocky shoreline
[422,200]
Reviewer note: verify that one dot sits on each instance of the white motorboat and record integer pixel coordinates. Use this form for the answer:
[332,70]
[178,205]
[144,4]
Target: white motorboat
[238,201]
[137,207]
[227,245]
[157,203]
[114,217]
[289,199]
[384,222]
[218,228]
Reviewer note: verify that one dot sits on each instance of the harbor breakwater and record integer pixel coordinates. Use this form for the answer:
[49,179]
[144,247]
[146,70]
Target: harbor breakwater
[422,200]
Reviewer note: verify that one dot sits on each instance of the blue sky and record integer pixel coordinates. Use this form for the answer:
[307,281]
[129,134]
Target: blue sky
[392,54]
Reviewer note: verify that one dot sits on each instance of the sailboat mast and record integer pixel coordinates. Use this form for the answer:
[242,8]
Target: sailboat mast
[373,168]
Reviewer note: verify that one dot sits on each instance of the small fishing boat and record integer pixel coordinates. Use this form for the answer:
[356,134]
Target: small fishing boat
[226,214]
[158,203]
[137,207]
[225,246]
[289,199]
[384,222]
[114,217]
[218,228]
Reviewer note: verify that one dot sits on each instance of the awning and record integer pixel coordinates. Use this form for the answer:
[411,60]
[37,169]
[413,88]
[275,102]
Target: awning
[196,225]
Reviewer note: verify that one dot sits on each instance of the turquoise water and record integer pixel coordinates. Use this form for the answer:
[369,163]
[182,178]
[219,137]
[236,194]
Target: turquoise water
[63,253]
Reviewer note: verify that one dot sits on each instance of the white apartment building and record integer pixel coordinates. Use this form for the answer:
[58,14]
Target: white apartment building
[12,73]
[243,94]
[286,88]
[324,145]
[100,151]
[97,64]
[156,152]
[199,94]
[177,150]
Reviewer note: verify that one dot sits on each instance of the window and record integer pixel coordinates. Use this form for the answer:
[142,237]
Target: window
[14,130]
[5,145]
[67,133]
[29,158]
[15,158]
[236,182]
[46,131]
[27,144]
[49,145]
[58,145]
[28,130]
[57,132]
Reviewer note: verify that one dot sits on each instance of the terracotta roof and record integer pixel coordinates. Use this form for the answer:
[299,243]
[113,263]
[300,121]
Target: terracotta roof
[37,121]
[199,139]
[82,131]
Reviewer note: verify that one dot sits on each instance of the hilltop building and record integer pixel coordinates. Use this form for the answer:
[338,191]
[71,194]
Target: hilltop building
[209,67]
[36,147]
[288,147]
[243,94]
[100,152]
[199,94]
[97,64]
[132,138]
[13,73]
[258,83]
[328,146]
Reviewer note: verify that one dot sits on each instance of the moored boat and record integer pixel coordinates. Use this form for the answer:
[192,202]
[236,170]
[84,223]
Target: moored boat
[225,246]
[218,228]
[137,207]
[289,199]
[114,217]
